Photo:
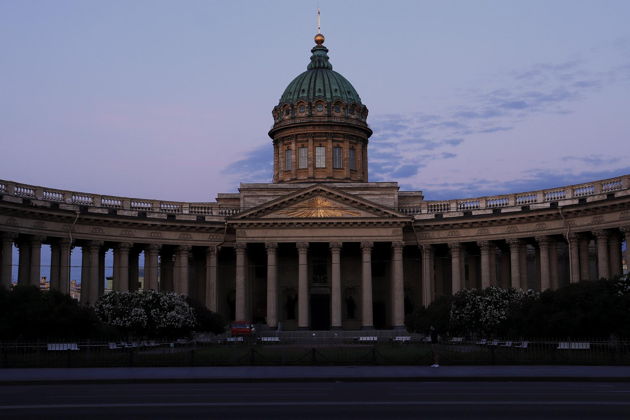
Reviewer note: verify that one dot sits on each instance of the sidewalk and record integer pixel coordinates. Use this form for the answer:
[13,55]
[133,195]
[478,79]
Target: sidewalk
[316,373]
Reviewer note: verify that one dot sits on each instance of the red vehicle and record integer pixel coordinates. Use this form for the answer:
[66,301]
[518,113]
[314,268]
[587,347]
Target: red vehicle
[241,328]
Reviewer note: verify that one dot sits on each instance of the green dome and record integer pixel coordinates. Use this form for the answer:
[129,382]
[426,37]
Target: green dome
[320,82]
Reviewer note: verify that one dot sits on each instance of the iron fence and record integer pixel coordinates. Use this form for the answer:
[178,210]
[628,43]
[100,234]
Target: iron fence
[297,351]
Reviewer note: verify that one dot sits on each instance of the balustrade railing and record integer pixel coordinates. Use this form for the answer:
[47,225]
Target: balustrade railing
[570,193]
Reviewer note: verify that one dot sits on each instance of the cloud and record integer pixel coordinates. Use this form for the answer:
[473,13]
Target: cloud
[537,179]
[257,166]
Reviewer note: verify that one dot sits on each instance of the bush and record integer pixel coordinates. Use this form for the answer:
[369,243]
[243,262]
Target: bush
[436,314]
[207,321]
[27,313]
[146,313]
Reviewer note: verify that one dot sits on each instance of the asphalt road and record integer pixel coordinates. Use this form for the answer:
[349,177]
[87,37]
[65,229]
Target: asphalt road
[329,400]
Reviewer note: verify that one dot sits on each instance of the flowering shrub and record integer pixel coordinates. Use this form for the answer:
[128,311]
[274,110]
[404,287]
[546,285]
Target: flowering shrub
[484,311]
[146,312]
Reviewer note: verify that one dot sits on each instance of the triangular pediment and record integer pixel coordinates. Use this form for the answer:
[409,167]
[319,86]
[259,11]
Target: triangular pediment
[319,202]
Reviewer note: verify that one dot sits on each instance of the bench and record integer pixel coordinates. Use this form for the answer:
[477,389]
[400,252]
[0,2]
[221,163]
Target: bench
[367,339]
[573,346]
[239,339]
[402,339]
[521,345]
[505,344]
[457,340]
[492,343]
[269,339]
[62,346]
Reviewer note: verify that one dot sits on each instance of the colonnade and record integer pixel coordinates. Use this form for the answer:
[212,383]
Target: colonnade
[570,258]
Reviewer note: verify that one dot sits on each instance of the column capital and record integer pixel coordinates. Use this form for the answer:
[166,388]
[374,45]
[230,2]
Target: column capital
[514,241]
[65,242]
[37,239]
[271,245]
[124,246]
[9,236]
[484,245]
[367,246]
[212,250]
[335,246]
[184,248]
[601,234]
[242,246]
[625,229]
[95,245]
[572,237]
[302,246]
[543,241]
[455,246]
[397,244]
[153,247]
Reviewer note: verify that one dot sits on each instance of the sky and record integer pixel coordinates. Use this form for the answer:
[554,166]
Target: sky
[172,100]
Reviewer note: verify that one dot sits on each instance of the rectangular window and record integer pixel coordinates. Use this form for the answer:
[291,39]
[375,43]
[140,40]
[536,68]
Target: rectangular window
[302,157]
[320,157]
[287,160]
[352,159]
[337,158]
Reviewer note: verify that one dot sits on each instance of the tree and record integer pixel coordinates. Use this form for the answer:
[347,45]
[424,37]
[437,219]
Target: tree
[27,313]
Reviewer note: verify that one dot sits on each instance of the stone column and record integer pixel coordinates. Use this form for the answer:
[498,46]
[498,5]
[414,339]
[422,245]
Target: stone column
[574,258]
[398,287]
[181,269]
[54,265]
[614,252]
[93,294]
[36,260]
[427,274]
[302,248]
[272,284]
[484,246]
[515,259]
[553,265]
[24,267]
[121,267]
[335,292]
[523,265]
[492,258]
[85,274]
[7,259]
[166,269]
[151,253]
[456,265]
[602,254]
[585,262]
[134,275]
[543,245]
[240,301]
[65,250]
[367,318]
[212,295]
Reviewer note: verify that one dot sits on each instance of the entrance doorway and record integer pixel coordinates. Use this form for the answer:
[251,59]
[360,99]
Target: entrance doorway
[320,312]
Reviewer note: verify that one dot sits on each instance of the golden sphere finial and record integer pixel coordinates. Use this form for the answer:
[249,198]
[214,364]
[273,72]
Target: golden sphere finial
[319,39]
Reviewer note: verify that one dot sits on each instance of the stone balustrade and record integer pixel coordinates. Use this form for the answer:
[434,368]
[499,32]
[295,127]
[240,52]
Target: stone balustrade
[51,195]
[569,195]
[564,196]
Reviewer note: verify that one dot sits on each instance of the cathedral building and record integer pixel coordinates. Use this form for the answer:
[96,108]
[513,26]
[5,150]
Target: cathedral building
[321,247]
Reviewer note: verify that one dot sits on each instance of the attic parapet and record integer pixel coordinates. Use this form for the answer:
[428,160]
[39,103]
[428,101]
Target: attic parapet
[540,199]
[128,206]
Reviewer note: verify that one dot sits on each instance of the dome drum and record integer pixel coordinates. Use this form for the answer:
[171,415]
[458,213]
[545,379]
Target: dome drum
[320,132]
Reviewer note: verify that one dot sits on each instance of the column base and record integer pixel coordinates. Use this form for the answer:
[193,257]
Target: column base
[367,327]
[400,328]
[336,328]
[303,328]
